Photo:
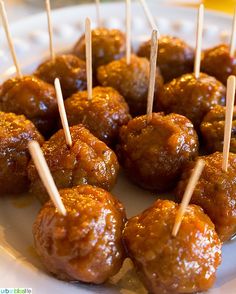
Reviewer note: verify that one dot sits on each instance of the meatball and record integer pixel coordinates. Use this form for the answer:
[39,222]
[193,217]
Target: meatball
[212,130]
[69,69]
[87,161]
[218,63]
[215,192]
[85,245]
[191,97]
[103,115]
[15,133]
[175,57]
[186,263]
[107,45]
[33,98]
[154,153]
[131,81]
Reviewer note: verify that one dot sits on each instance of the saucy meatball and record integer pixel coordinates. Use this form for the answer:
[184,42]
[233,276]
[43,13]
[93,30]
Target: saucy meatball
[218,63]
[15,133]
[175,57]
[131,81]
[87,161]
[107,45]
[186,263]
[212,130]
[33,98]
[85,245]
[70,70]
[153,154]
[191,97]
[103,115]
[215,192]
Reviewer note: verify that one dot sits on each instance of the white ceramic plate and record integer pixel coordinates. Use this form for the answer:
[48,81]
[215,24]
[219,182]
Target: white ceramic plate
[19,265]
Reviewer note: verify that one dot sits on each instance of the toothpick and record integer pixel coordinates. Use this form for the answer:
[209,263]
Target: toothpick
[233,33]
[128,31]
[188,194]
[9,38]
[197,62]
[50,31]
[98,13]
[230,96]
[62,112]
[45,175]
[89,69]
[148,14]
[152,78]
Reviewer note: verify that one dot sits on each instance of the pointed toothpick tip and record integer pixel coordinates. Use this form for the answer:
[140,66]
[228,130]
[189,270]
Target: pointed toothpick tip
[197,61]
[62,112]
[196,174]
[9,38]
[152,77]
[230,97]
[46,177]
[89,68]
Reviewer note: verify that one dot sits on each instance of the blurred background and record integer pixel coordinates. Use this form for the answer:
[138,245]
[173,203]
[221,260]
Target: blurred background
[20,8]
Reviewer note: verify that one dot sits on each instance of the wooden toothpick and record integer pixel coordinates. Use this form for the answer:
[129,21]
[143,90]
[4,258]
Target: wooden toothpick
[188,194]
[50,31]
[148,14]
[128,31]
[99,23]
[233,33]
[88,40]
[152,78]
[197,62]
[45,175]
[9,39]
[62,112]
[230,96]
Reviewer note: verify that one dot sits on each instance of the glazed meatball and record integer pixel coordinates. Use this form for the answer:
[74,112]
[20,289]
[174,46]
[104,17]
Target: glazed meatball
[33,98]
[218,63]
[215,192]
[153,154]
[175,57]
[85,245]
[186,263]
[131,81]
[103,115]
[87,161]
[107,45]
[191,97]
[212,130]
[15,133]
[69,69]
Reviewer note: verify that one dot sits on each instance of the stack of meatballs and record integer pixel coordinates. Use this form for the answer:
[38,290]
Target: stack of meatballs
[90,243]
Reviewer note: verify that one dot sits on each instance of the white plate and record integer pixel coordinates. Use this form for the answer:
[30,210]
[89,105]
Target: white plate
[19,265]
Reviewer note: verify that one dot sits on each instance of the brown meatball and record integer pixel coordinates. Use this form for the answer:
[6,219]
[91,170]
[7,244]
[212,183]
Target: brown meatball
[131,81]
[85,245]
[107,45]
[32,97]
[191,97]
[69,69]
[215,192]
[186,263]
[88,161]
[15,133]
[212,130]
[103,115]
[175,57]
[153,154]
[218,63]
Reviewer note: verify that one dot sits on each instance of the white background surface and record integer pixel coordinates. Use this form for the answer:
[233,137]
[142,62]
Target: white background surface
[19,265]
